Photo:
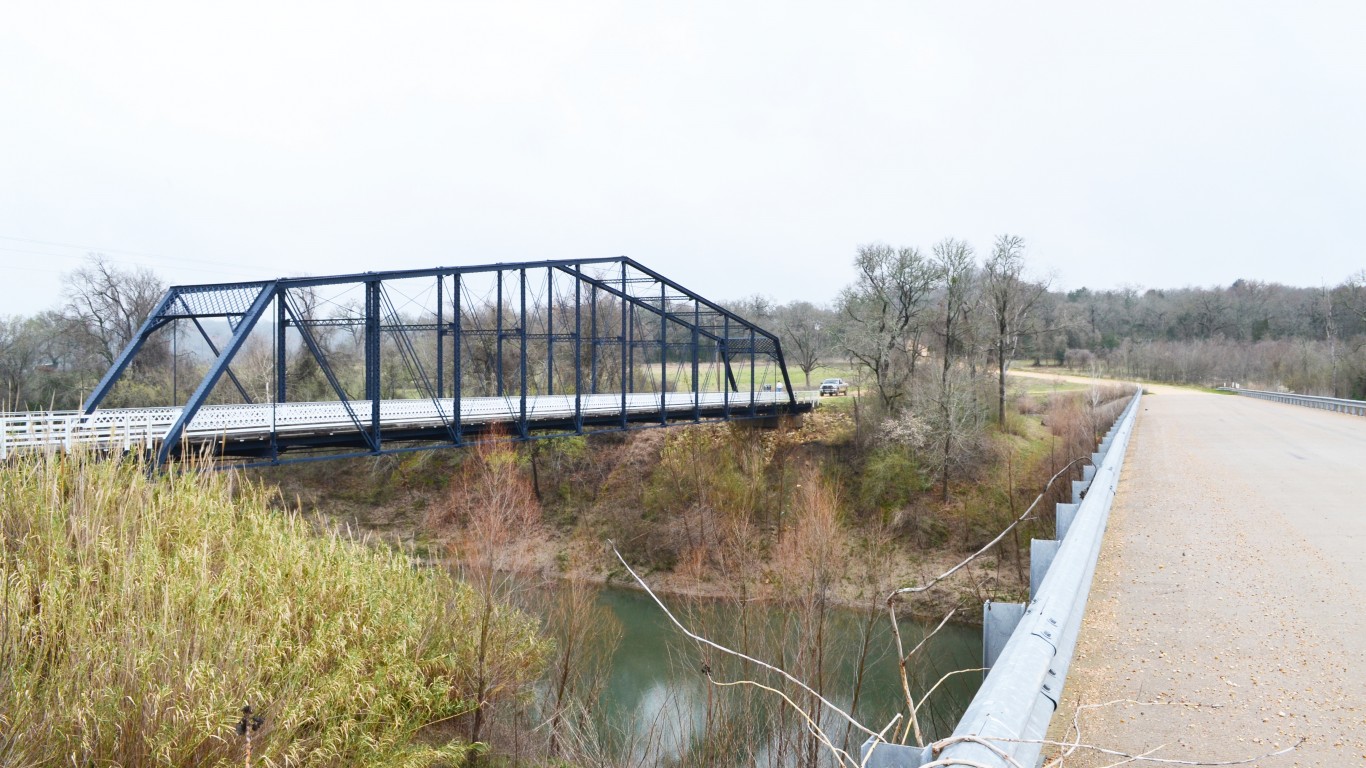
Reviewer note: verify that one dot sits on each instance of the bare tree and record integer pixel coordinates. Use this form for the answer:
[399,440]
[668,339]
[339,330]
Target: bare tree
[952,422]
[884,315]
[109,304]
[1011,300]
[495,516]
[756,308]
[805,330]
[18,359]
[1353,295]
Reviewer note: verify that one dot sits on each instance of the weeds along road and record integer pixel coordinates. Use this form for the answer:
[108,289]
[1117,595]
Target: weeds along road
[1231,589]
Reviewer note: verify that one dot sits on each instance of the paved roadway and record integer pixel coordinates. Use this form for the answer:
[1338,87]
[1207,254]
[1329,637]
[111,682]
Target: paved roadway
[1231,588]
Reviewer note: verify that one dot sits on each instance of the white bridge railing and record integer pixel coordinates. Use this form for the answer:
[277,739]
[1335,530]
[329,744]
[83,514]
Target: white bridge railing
[144,428]
[1336,404]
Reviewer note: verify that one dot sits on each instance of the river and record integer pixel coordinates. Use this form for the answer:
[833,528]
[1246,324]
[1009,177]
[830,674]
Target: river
[655,705]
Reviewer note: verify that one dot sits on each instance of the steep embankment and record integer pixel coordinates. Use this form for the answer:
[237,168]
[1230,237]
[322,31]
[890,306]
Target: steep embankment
[707,509]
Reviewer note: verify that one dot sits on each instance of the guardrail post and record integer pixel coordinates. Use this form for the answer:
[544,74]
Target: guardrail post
[885,755]
[1041,552]
[1088,473]
[998,624]
[1078,489]
[1064,516]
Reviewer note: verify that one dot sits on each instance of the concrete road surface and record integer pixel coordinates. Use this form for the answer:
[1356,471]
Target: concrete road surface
[1228,613]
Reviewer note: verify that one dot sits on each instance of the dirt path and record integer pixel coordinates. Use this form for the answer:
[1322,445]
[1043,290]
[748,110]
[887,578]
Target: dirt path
[1231,587]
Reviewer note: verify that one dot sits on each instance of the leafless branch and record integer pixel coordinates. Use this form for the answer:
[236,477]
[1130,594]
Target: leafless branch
[811,725]
[912,722]
[941,680]
[1142,757]
[987,547]
[737,654]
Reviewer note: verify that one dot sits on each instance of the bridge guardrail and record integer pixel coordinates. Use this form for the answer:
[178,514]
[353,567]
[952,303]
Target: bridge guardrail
[1007,719]
[1336,404]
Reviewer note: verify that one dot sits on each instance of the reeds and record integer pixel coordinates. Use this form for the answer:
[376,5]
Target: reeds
[139,612]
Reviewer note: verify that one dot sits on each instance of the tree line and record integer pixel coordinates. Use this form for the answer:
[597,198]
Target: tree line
[906,307]
[918,326]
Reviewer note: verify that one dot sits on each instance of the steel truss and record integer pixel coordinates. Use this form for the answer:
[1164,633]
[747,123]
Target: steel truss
[525,350]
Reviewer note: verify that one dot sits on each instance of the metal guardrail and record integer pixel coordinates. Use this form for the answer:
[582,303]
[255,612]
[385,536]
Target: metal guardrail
[1029,648]
[1336,404]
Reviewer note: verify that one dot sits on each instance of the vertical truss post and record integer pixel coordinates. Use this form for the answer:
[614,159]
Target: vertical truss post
[440,339]
[624,329]
[521,330]
[578,353]
[593,336]
[175,361]
[281,360]
[729,384]
[550,331]
[753,370]
[696,352]
[458,374]
[498,362]
[787,380]
[663,353]
[372,349]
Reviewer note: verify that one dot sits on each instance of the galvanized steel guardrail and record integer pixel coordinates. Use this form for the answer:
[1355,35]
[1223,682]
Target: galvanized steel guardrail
[1336,404]
[1028,648]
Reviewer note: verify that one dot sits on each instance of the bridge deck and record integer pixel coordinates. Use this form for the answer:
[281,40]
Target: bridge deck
[245,429]
[1232,587]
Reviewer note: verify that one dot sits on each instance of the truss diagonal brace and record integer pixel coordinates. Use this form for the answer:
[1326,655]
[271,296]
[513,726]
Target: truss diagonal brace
[172,438]
[321,360]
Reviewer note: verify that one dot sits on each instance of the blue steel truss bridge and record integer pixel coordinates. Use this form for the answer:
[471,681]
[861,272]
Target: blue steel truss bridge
[382,362]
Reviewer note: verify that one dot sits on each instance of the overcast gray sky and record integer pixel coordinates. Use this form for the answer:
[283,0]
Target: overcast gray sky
[737,147]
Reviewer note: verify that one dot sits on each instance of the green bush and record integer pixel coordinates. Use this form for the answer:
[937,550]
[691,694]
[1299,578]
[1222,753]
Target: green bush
[139,613]
[890,479]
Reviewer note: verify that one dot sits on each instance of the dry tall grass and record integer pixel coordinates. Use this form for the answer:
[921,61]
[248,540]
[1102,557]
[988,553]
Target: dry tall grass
[139,613]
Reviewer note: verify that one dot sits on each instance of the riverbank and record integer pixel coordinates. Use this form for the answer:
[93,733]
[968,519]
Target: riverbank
[985,578]
[704,511]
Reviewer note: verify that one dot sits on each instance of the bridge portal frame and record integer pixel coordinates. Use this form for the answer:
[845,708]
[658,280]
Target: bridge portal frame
[640,296]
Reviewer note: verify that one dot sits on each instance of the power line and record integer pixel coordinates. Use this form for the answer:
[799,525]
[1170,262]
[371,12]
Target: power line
[142,254]
[124,262]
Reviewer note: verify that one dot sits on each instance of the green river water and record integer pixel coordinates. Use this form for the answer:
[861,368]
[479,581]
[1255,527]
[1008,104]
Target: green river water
[654,707]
